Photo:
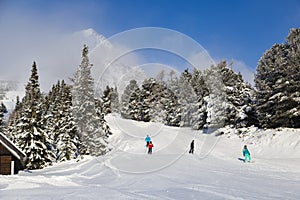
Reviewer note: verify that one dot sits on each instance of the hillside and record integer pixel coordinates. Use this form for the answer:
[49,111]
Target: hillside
[213,172]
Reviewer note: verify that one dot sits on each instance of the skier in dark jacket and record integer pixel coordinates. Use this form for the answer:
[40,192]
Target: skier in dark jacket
[246,154]
[192,147]
[150,146]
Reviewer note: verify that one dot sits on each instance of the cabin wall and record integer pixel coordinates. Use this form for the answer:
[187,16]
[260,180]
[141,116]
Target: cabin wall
[5,162]
[18,166]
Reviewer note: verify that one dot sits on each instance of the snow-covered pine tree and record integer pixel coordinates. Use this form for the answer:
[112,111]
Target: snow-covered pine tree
[277,82]
[135,105]
[52,105]
[93,138]
[31,137]
[154,101]
[110,100]
[215,102]
[237,105]
[3,111]
[199,118]
[67,137]
[150,95]
[239,96]
[106,100]
[115,103]
[100,115]
[11,127]
[164,104]
[187,98]
[173,107]
[198,83]
[127,97]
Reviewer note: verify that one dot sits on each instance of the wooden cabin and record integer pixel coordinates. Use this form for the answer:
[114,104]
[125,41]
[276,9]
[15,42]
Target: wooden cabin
[11,157]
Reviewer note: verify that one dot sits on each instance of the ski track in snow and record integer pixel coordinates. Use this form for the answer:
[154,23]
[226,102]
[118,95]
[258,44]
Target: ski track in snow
[127,172]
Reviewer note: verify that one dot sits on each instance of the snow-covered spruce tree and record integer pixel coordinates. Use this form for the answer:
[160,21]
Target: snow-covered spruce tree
[52,105]
[215,103]
[31,137]
[139,100]
[67,137]
[135,105]
[126,98]
[153,102]
[60,123]
[150,95]
[237,106]
[11,126]
[173,107]
[277,82]
[164,104]
[240,96]
[187,98]
[199,118]
[110,100]
[153,99]
[115,103]
[106,100]
[94,139]
[100,115]
[3,111]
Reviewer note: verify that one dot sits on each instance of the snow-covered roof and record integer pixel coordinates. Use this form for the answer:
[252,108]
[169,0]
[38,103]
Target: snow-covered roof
[11,147]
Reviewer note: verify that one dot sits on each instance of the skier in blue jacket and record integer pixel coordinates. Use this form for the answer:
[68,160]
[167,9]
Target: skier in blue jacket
[148,140]
[246,154]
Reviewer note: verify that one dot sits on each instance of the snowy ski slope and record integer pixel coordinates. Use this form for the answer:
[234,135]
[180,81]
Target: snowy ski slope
[213,172]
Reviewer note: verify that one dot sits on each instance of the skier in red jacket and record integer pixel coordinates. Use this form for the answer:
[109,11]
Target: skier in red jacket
[150,146]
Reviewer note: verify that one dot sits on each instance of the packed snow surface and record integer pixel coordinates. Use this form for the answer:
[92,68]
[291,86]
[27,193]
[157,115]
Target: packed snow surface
[215,171]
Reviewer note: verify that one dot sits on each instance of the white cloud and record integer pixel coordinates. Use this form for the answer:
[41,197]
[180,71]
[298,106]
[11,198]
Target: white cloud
[56,49]
[24,40]
[247,72]
[46,36]
[201,60]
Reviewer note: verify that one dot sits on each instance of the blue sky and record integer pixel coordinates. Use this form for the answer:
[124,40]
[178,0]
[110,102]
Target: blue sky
[238,30]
